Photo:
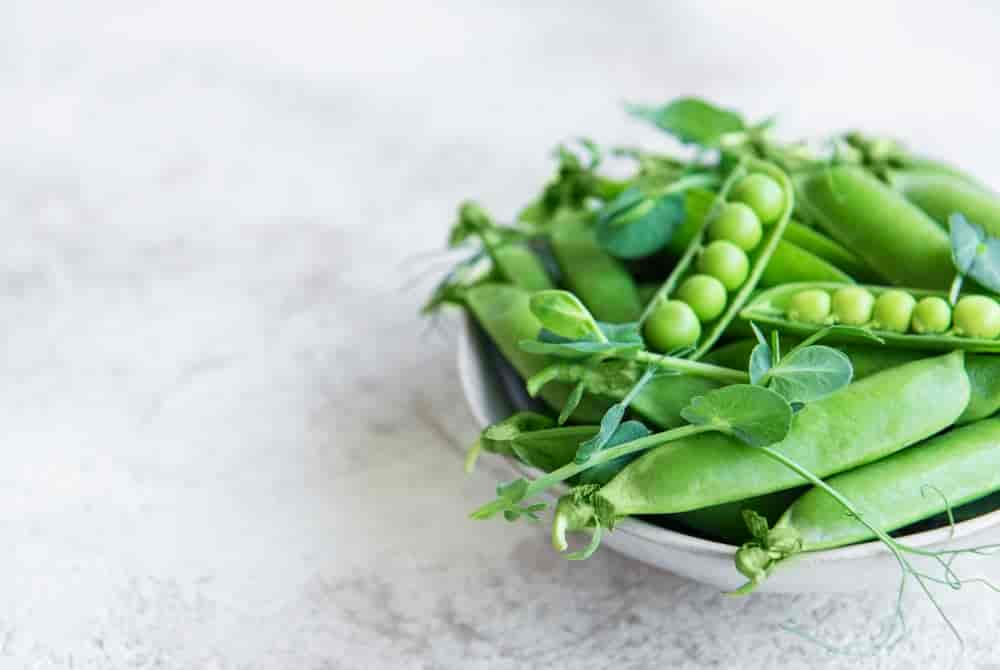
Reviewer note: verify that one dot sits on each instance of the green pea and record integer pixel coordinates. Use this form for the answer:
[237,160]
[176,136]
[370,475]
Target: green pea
[704,294]
[726,262]
[931,315]
[672,325]
[977,316]
[763,194]
[853,305]
[893,310]
[811,306]
[737,223]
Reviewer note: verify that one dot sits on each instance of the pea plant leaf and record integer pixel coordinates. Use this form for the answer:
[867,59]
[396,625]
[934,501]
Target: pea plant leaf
[621,333]
[562,313]
[601,474]
[620,339]
[691,120]
[508,500]
[499,437]
[975,253]
[810,373]
[550,344]
[760,358]
[612,419]
[753,414]
[634,226]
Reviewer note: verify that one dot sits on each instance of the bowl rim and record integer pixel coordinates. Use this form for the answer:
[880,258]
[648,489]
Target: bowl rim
[468,351]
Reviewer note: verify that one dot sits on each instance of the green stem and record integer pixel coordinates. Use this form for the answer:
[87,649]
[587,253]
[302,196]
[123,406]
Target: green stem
[565,472]
[895,547]
[539,485]
[694,368]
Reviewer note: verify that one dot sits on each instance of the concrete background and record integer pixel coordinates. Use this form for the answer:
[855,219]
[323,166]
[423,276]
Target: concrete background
[228,442]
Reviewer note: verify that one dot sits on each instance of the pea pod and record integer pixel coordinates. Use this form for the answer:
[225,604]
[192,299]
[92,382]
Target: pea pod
[725,522]
[948,470]
[521,267]
[892,235]
[770,308]
[600,281]
[867,420]
[791,263]
[504,313]
[823,247]
[983,369]
[760,257]
[940,195]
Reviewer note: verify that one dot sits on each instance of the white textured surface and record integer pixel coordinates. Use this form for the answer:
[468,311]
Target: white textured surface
[226,442]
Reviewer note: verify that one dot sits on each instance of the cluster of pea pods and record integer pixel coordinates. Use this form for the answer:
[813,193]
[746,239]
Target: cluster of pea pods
[788,246]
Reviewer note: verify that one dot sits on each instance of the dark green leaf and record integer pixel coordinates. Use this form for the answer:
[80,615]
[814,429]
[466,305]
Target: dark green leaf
[612,419]
[552,448]
[625,201]
[562,313]
[691,120]
[806,375]
[753,414]
[642,230]
[609,424]
[603,473]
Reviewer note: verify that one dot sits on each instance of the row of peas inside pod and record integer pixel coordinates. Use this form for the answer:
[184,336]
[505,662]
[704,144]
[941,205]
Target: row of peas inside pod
[734,230]
[896,310]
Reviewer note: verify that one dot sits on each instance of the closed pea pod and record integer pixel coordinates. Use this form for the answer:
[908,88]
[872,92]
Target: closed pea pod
[821,246]
[906,487]
[866,421]
[504,313]
[520,266]
[600,281]
[880,225]
[941,195]
[791,263]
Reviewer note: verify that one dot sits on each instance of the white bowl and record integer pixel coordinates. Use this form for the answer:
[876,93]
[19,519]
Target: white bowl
[867,567]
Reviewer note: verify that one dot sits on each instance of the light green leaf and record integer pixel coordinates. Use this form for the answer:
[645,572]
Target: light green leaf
[562,313]
[753,414]
[691,120]
[809,374]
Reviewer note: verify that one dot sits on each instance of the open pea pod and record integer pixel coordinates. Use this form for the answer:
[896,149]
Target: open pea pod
[712,330]
[771,307]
